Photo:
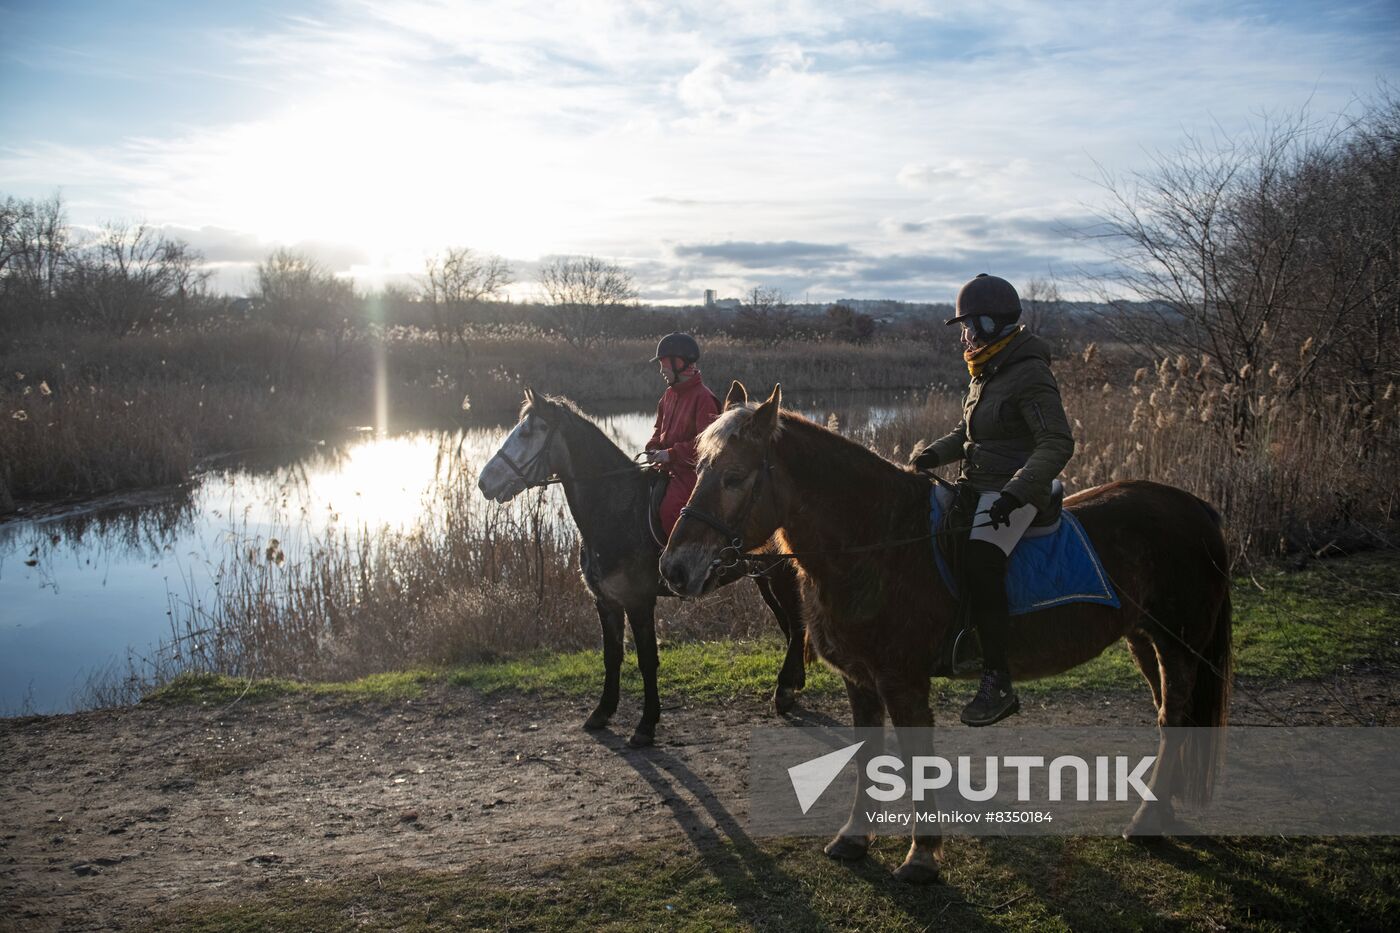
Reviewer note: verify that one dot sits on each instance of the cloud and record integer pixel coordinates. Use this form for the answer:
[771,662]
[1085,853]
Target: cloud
[221,245]
[925,175]
[832,146]
[763,255]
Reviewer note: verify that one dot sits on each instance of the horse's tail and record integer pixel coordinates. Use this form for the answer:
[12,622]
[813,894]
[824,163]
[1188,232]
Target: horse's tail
[1203,752]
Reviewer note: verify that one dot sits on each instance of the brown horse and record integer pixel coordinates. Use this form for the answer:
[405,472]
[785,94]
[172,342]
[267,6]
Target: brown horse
[878,615]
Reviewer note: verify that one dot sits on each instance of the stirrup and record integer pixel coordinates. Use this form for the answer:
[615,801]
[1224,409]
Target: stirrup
[967,652]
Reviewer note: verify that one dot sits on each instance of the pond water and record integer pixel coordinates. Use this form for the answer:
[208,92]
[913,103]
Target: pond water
[87,590]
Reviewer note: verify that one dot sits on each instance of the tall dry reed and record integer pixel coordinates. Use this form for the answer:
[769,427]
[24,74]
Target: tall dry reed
[83,414]
[1308,475]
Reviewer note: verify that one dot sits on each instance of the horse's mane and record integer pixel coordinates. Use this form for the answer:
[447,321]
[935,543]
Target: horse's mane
[558,400]
[797,429]
[730,422]
[592,436]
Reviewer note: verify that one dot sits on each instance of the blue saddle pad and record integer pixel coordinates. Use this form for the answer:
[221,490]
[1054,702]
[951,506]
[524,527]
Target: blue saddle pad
[1045,571]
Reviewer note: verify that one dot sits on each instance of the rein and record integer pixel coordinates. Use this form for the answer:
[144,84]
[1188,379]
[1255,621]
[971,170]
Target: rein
[521,470]
[733,554]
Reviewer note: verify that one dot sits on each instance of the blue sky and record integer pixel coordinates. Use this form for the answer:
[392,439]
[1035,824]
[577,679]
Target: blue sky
[886,149]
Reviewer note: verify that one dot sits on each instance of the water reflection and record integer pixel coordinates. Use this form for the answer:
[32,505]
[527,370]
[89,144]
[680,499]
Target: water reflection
[84,589]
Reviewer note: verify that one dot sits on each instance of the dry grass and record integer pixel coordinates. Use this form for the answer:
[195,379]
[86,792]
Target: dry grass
[1311,475]
[82,414]
[476,582]
[473,581]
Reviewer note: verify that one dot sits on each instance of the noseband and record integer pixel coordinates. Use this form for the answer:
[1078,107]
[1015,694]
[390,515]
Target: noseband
[523,470]
[731,554]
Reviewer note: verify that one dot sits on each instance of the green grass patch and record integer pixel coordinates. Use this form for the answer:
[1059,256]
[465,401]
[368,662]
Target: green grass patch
[710,670]
[1289,625]
[216,689]
[1077,884]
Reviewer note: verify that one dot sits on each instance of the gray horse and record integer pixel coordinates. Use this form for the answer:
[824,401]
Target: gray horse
[609,497]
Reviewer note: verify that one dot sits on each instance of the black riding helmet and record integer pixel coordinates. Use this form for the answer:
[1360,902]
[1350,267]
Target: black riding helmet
[988,304]
[681,345]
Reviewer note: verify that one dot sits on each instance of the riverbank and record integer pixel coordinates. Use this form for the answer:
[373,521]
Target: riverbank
[448,808]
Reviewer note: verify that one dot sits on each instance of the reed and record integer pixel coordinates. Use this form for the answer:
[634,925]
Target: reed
[82,414]
[472,581]
[1309,475]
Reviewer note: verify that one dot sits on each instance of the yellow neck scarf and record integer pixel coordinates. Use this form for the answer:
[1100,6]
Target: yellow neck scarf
[977,359]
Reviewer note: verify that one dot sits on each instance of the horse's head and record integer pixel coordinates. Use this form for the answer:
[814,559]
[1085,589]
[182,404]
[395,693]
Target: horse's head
[529,454]
[735,504]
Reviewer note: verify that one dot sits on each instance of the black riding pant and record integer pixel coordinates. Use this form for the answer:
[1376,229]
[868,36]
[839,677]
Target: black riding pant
[986,589]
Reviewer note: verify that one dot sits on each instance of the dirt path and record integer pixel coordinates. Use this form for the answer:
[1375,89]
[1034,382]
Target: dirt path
[106,815]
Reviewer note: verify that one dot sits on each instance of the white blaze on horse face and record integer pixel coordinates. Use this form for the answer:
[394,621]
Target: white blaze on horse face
[498,481]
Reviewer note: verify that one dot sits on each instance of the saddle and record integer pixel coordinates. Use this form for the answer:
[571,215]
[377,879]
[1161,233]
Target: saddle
[961,651]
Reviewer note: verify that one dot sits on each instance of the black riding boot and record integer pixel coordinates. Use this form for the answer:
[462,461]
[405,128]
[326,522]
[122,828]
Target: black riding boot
[986,588]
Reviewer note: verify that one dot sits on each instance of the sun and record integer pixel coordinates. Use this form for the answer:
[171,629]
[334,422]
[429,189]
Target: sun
[393,179]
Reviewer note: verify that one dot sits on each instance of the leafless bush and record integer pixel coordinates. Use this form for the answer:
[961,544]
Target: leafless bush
[454,283]
[129,275]
[850,325]
[765,317]
[1274,255]
[582,292]
[297,294]
[34,238]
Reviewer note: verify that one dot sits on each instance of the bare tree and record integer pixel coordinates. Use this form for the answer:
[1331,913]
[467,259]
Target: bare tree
[765,316]
[849,324]
[128,275]
[1211,247]
[453,283]
[298,294]
[34,243]
[1038,299]
[583,291]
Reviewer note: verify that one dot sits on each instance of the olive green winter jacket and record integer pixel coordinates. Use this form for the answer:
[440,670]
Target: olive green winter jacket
[1013,436]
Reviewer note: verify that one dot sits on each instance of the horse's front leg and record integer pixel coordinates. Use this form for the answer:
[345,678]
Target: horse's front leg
[783,595]
[643,622]
[610,615]
[907,702]
[867,712]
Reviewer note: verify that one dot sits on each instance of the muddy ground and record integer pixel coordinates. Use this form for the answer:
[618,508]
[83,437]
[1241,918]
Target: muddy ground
[106,817]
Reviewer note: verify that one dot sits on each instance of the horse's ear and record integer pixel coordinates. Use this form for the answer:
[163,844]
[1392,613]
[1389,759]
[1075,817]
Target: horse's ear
[529,396]
[738,396]
[765,417]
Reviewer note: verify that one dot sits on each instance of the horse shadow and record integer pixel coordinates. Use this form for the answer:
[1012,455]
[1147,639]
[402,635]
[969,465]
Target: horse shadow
[752,872]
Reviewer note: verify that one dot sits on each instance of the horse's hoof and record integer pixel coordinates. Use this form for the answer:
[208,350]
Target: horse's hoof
[1149,823]
[596,721]
[847,848]
[641,739]
[784,700]
[917,872]
[1143,832]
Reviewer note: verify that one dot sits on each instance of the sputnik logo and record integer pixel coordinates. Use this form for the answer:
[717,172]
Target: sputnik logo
[811,778]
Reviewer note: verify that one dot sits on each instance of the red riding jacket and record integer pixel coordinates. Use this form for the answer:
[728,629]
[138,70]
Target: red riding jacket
[686,409]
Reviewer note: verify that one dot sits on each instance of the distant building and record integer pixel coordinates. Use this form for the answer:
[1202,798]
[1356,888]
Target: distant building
[709,297]
[728,304]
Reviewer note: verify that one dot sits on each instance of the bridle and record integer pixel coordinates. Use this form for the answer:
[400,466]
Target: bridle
[732,554]
[530,468]
[525,470]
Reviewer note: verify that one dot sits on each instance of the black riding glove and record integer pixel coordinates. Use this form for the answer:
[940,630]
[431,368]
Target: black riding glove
[926,459]
[1000,512]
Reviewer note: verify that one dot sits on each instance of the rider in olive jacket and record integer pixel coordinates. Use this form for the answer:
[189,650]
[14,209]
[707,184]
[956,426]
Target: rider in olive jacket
[1013,439]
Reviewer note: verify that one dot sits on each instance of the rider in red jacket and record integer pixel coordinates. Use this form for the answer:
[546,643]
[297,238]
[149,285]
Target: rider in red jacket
[686,409]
